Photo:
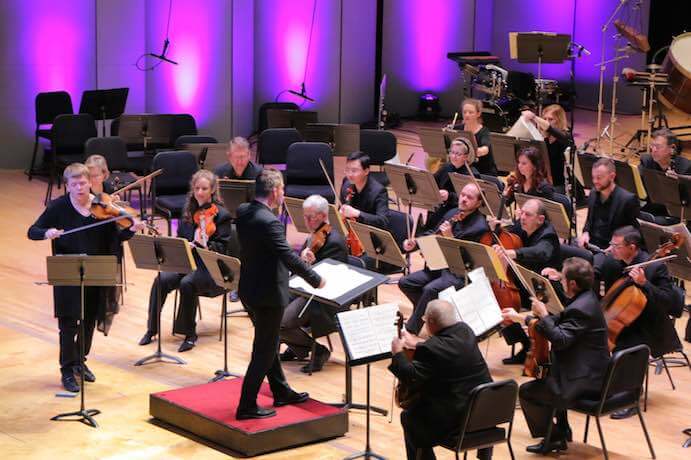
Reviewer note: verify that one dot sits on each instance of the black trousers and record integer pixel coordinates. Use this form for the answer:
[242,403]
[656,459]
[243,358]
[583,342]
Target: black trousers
[421,287]
[264,361]
[70,339]
[538,398]
[191,286]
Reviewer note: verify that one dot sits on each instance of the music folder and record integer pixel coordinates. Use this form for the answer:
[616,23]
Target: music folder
[234,192]
[489,189]
[379,244]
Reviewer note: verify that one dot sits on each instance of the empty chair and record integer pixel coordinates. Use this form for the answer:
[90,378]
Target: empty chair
[169,189]
[273,145]
[380,146]
[48,107]
[263,118]
[181,124]
[304,175]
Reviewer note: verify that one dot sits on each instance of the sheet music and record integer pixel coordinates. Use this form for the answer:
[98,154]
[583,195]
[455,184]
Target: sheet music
[475,303]
[369,331]
[525,129]
[339,280]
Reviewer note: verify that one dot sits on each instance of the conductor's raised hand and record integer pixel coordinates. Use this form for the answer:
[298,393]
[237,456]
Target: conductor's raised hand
[53,233]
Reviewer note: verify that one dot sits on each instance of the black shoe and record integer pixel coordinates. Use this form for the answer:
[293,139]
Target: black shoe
[257,412]
[88,375]
[518,358]
[147,338]
[624,413]
[554,445]
[290,355]
[187,344]
[292,398]
[321,357]
[70,384]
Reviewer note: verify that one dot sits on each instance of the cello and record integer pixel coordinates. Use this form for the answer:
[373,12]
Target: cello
[537,360]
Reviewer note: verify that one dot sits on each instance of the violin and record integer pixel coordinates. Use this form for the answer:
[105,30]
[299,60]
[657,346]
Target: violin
[458,217]
[319,237]
[624,301]
[204,219]
[352,240]
[104,207]
[537,360]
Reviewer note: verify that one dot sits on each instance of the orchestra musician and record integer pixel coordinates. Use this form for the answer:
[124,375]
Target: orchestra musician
[665,155]
[205,223]
[654,327]
[540,250]
[464,223]
[266,258]
[323,243]
[98,174]
[471,110]
[239,165]
[529,177]
[71,211]
[578,339]
[555,129]
[444,369]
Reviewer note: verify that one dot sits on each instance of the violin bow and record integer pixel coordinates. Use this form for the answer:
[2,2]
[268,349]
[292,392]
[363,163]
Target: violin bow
[328,179]
[139,181]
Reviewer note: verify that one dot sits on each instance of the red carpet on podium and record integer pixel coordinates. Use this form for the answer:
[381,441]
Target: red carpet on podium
[208,411]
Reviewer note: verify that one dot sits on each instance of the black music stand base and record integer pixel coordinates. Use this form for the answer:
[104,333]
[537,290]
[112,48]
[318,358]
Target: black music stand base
[86,416]
[224,373]
[367,453]
[349,404]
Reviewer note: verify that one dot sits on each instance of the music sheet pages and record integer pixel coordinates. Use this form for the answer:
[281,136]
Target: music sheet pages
[369,331]
[339,280]
[475,303]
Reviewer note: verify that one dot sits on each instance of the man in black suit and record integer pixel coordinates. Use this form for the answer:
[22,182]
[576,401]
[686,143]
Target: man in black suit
[444,369]
[578,338]
[655,326]
[266,258]
[239,165]
[319,316]
[424,285]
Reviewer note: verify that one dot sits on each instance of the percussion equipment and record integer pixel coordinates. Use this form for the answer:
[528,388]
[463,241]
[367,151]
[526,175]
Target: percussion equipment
[677,64]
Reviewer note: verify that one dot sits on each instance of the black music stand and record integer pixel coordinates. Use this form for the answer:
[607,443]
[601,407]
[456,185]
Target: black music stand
[104,104]
[627,178]
[379,244]
[503,151]
[209,155]
[434,142]
[82,271]
[225,271]
[340,302]
[556,213]
[489,189]
[413,186]
[235,192]
[161,253]
[654,235]
[296,213]
[671,192]
[463,256]
[376,328]
[284,118]
[537,281]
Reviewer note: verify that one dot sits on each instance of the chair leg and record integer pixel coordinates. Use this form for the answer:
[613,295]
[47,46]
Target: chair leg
[585,432]
[645,431]
[602,438]
[508,443]
[465,455]
[328,340]
[645,394]
[669,375]
[175,313]
[33,158]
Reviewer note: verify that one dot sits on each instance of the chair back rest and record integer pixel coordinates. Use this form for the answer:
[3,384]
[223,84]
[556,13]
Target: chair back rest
[273,144]
[178,168]
[493,179]
[113,149]
[263,118]
[626,371]
[181,141]
[490,404]
[379,145]
[70,133]
[399,222]
[182,124]
[50,105]
[302,163]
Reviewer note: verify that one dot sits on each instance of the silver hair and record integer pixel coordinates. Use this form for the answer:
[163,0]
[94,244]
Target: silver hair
[441,313]
[317,202]
[240,143]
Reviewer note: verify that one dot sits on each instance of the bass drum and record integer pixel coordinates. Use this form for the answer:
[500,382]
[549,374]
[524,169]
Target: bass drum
[500,115]
[678,65]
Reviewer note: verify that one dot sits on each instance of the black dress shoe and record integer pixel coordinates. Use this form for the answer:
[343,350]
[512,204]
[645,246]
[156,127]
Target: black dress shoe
[541,448]
[321,357]
[188,343]
[290,355]
[624,413]
[257,412]
[70,384]
[88,375]
[518,358]
[147,338]
[292,398]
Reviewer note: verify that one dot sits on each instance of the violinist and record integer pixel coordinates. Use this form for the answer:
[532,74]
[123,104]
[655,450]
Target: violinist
[529,177]
[69,212]
[98,174]
[471,110]
[205,223]
[463,223]
[554,128]
[540,250]
[443,371]
[239,165]
[654,326]
[578,338]
[324,242]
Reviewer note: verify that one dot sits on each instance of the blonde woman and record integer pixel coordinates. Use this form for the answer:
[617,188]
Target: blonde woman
[556,131]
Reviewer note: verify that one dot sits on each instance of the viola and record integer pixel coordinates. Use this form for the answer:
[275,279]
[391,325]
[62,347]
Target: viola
[624,301]
[458,217]
[319,237]
[204,219]
[352,241]
[537,360]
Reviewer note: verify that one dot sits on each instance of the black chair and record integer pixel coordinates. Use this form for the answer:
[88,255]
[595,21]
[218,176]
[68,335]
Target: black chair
[181,141]
[489,405]
[69,134]
[304,175]
[169,189]
[380,146]
[264,108]
[621,389]
[493,179]
[272,147]
[48,107]
[182,124]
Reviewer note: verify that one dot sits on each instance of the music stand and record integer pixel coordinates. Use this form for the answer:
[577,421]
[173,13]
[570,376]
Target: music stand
[654,235]
[413,186]
[225,271]
[434,142]
[216,154]
[627,175]
[161,253]
[235,192]
[671,192]
[104,104]
[346,139]
[556,213]
[489,189]
[296,213]
[379,244]
[82,271]
[539,282]
[503,151]
[463,256]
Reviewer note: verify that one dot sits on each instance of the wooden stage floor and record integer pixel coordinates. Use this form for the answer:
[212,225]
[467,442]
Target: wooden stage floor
[29,374]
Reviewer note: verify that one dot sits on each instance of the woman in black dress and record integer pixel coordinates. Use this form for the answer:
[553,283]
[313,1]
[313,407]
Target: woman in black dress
[472,121]
[553,126]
